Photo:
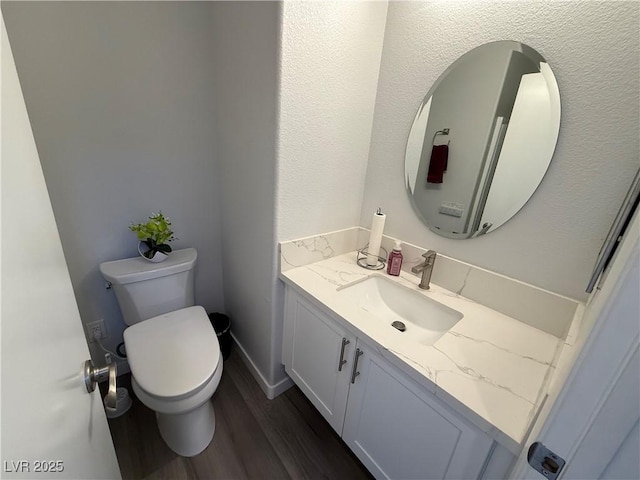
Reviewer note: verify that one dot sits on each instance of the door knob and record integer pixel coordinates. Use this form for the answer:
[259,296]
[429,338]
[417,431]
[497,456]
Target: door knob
[93,375]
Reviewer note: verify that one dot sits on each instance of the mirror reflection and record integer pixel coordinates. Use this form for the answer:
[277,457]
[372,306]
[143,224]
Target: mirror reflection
[482,139]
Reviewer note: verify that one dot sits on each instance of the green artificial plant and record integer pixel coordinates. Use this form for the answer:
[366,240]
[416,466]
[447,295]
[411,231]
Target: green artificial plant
[154,234]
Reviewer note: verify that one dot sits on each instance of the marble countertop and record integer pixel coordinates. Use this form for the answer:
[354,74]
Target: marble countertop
[489,367]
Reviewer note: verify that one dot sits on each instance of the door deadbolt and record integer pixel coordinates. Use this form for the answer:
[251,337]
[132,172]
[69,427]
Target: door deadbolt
[545,461]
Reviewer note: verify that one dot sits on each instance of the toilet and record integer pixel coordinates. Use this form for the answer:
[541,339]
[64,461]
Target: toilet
[172,349]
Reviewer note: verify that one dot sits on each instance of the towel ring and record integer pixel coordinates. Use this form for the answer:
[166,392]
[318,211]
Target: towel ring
[444,131]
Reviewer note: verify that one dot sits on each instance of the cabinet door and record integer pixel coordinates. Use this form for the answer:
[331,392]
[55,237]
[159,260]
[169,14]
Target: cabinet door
[312,350]
[398,430]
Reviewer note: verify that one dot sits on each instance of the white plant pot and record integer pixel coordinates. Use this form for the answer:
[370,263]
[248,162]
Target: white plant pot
[157,257]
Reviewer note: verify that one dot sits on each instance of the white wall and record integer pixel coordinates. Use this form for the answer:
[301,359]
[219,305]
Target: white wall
[531,122]
[592,48]
[246,38]
[329,70]
[119,97]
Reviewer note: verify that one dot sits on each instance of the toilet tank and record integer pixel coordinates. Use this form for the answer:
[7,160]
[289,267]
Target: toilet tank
[146,289]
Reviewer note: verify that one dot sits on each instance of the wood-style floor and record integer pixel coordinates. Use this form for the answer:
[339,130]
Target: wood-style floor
[255,438]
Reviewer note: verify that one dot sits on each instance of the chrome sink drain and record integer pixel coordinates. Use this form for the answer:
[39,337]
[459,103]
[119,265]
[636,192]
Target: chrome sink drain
[398,325]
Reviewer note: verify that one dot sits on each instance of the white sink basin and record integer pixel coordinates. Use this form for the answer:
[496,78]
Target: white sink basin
[425,319]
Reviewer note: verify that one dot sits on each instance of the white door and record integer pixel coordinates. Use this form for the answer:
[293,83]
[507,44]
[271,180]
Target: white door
[51,426]
[593,424]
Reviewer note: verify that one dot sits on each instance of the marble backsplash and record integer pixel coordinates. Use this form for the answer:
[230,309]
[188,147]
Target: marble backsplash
[297,253]
[542,309]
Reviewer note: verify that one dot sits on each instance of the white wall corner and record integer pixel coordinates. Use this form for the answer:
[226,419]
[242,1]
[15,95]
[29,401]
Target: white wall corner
[270,390]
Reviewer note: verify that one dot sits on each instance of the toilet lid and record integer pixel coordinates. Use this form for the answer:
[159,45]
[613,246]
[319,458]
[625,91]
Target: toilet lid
[173,354]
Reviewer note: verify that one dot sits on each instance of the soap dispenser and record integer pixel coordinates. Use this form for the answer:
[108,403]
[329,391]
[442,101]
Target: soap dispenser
[394,262]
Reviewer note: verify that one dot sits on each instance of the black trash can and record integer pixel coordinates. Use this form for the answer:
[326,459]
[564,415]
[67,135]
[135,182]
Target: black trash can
[222,326]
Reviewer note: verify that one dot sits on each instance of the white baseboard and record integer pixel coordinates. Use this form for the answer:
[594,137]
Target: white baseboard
[271,391]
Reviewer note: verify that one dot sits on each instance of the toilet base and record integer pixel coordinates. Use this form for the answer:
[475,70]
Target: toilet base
[185,429]
[188,433]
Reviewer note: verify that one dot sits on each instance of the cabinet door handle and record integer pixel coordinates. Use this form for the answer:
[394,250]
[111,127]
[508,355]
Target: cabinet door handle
[355,371]
[342,361]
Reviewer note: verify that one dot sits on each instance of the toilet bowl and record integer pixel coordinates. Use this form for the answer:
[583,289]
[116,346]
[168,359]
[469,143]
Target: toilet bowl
[176,366]
[172,348]
[186,425]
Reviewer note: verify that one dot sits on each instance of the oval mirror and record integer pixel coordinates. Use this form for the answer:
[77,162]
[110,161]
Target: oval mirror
[482,139]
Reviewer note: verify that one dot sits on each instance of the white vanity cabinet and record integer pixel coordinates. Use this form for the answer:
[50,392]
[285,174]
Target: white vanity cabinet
[395,427]
[398,430]
[318,356]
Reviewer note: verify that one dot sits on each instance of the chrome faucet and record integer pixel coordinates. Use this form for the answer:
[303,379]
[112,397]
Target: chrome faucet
[426,268]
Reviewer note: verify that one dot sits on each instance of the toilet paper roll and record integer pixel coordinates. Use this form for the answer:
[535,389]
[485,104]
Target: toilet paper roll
[375,239]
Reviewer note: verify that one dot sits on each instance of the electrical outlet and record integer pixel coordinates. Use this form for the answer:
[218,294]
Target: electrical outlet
[453,209]
[96,330]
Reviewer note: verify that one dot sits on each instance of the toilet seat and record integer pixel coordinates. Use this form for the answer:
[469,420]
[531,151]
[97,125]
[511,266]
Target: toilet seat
[174,355]
[185,403]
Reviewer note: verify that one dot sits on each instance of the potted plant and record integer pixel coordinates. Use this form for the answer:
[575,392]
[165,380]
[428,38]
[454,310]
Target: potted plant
[154,234]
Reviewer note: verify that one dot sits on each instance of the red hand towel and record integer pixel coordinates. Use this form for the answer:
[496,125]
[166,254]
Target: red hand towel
[438,163]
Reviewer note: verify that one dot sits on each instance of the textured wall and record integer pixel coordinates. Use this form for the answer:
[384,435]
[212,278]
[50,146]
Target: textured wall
[329,61]
[119,98]
[329,69]
[593,50]
[246,39]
